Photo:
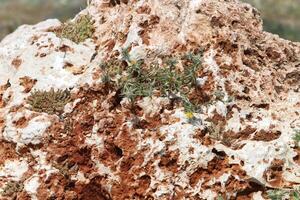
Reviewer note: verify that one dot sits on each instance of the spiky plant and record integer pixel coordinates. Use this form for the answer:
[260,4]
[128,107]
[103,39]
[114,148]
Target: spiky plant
[51,102]
[136,79]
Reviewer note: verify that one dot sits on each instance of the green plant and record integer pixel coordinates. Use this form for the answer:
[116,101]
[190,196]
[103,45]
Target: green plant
[51,102]
[296,195]
[111,69]
[297,137]
[136,83]
[220,197]
[125,54]
[136,79]
[189,107]
[293,194]
[79,30]
[195,61]
[11,188]
[276,194]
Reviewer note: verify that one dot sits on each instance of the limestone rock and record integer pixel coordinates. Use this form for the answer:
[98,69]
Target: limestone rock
[238,145]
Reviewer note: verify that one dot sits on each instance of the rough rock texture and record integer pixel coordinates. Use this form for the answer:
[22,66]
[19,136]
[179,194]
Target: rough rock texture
[241,146]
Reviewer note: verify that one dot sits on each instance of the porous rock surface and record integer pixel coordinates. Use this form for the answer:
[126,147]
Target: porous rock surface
[241,146]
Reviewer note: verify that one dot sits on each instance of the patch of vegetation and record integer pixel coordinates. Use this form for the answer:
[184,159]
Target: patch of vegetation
[220,197]
[297,137]
[296,195]
[12,188]
[136,79]
[51,102]
[79,30]
[66,169]
[276,194]
[284,194]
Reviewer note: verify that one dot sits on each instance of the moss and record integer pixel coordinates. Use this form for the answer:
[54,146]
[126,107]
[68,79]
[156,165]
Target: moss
[77,31]
[51,102]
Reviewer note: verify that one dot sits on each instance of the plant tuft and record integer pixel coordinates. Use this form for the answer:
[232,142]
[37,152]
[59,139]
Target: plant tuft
[136,79]
[51,102]
[79,30]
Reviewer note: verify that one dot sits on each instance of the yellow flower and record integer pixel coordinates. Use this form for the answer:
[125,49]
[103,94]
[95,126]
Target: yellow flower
[189,115]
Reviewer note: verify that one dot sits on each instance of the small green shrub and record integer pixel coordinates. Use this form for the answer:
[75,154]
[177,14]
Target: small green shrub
[51,102]
[77,31]
[136,79]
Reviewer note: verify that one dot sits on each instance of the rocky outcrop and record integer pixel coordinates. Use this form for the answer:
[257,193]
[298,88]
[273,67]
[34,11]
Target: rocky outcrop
[76,123]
